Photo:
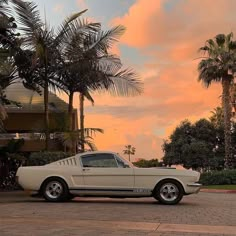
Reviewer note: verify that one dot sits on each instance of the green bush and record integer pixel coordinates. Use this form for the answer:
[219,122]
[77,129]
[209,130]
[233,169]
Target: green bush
[43,158]
[218,177]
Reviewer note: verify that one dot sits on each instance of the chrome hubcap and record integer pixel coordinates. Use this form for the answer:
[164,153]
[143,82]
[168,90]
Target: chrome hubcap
[169,192]
[54,189]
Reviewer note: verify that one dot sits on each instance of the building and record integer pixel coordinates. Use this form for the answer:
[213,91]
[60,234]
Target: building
[27,121]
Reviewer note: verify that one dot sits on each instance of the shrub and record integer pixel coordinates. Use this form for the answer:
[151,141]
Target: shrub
[43,158]
[218,177]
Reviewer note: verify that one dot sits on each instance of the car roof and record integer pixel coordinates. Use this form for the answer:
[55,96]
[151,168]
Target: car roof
[95,152]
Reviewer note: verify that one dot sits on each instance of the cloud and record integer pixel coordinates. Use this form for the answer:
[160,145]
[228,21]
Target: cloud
[152,24]
[168,34]
[58,8]
[82,4]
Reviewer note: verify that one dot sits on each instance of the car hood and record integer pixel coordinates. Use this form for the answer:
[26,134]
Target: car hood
[165,171]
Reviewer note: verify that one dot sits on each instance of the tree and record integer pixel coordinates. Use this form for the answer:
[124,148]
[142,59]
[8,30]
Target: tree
[197,146]
[8,39]
[233,98]
[217,67]
[72,139]
[217,117]
[129,150]
[9,46]
[43,50]
[142,163]
[7,77]
[89,67]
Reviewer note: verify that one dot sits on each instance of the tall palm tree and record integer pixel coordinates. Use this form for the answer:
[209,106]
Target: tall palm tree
[233,98]
[129,150]
[216,67]
[43,43]
[90,67]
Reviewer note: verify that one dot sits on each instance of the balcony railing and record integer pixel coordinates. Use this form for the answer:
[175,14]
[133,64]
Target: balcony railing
[28,136]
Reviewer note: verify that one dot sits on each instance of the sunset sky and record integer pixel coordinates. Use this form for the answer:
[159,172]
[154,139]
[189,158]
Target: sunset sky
[161,43]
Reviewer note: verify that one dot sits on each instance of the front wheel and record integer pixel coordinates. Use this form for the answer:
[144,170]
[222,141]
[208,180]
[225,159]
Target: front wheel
[55,190]
[169,192]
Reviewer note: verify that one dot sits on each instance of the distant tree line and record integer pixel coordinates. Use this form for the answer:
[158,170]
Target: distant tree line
[143,163]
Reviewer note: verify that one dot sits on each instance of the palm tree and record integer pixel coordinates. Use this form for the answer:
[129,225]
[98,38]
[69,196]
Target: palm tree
[72,139]
[42,44]
[8,77]
[216,67]
[129,150]
[233,98]
[89,67]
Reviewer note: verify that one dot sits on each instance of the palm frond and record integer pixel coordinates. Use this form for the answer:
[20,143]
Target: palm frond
[91,145]
[88,96]
[92,131]
[68,138]
[220,39]
[73,40]
[104,40]
[210,72]
[124,83]
[68,27]
[28,16]
[4,8]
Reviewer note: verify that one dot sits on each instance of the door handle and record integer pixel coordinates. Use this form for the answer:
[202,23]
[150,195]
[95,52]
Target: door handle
[85,169]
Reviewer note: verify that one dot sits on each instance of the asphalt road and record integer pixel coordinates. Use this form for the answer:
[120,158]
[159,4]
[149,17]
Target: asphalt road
[201,214]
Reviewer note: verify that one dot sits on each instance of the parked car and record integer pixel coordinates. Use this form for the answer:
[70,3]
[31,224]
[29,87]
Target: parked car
[106,174]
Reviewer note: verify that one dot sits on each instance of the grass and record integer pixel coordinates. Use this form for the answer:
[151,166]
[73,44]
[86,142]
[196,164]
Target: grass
[225,187]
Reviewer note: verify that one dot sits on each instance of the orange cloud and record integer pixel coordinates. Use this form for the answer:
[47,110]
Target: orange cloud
[170,39]
[58,8]
[82,4]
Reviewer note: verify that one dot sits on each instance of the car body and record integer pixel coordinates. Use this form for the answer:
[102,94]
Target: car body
[106,174]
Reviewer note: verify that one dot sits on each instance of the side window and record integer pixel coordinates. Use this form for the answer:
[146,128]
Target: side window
[99,160]
[121,163]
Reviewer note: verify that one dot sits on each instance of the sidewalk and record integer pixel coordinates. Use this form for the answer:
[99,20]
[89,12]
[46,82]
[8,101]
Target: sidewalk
[205,190]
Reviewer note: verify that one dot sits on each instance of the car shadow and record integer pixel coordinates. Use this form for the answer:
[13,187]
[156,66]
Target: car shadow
[135,201]
[20,197]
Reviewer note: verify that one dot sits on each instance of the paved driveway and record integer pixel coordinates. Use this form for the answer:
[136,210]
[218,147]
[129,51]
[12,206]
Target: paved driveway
[201,214]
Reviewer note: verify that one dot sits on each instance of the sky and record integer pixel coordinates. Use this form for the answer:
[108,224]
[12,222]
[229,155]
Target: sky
[161,44]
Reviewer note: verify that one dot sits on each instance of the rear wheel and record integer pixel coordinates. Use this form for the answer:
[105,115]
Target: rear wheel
[169,192]
[55,190]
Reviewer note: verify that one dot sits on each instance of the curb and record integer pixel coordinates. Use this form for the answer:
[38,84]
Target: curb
[217,191]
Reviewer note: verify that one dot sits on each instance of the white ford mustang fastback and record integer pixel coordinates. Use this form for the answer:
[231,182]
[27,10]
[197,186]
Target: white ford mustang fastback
[106,174]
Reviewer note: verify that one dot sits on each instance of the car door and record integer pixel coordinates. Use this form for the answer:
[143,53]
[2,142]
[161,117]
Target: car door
[101,171]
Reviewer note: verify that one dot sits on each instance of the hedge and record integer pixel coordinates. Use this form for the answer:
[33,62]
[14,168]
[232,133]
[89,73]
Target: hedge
[218,177]
[43,158]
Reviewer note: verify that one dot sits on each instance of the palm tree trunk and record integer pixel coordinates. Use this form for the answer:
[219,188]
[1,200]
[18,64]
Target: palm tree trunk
[81,99]
[71,125]
[226,103]
[46,115]
[70,111]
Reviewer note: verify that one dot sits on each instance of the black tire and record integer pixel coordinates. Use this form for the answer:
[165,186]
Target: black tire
[70,197]
[55,190]
[169,192]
